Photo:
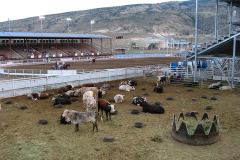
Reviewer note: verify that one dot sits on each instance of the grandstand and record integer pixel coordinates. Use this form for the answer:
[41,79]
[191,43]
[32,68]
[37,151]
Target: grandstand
[221,50]
[21,45]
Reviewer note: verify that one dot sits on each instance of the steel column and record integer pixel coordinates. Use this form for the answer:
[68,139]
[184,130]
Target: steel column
[91,46]
[42,45]
[81,43]
[68,45]
[101,47]
[233,59]
[196,34]
[216,20]
[27,46]
[111,45]
[56,46]
[10,46]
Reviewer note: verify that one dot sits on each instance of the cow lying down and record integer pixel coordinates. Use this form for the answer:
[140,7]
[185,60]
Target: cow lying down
[137,100]
[118,98]
[126,88]
[157,109]
[215,85]
[62,101]
[38,95]
[79,117]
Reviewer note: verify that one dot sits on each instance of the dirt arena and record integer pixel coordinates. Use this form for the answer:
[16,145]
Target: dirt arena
[23,138]
[107,64]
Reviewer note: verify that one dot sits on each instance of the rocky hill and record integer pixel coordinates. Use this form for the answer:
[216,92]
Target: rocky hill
[168,17]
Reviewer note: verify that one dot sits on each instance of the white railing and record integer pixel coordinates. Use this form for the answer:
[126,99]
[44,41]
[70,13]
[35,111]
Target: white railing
[18,87]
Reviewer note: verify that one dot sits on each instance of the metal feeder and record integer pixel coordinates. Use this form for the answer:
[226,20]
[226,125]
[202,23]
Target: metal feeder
[198,137]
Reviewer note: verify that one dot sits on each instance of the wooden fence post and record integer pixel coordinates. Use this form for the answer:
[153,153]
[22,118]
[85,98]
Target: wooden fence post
[144,75]
[157,72]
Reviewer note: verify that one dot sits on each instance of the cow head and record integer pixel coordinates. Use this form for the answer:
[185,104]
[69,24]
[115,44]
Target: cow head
[112,108]
[53,100]
[65,113]
[30,95]
[132,88]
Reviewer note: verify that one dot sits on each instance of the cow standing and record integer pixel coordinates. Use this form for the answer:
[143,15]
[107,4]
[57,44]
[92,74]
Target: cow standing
[79,117]
[89,100]
[104,105]
[162,79]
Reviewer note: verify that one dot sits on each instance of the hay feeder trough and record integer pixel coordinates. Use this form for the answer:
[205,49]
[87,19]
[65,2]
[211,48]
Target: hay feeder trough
[201,135]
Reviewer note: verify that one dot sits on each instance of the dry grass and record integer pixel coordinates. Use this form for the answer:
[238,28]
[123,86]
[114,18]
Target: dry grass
[23,138]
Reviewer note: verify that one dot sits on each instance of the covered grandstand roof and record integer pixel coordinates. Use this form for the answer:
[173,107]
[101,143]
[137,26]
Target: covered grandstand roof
[50,35]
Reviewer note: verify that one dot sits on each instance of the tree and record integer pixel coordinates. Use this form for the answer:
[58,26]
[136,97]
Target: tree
[151,46]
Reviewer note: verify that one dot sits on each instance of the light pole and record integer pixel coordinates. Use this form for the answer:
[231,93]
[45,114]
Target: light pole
[68,19]
[196,36]
[41,17]
[91,23]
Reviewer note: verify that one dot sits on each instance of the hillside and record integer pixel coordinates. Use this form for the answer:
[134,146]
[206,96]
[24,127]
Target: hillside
[168,17]
[133,22]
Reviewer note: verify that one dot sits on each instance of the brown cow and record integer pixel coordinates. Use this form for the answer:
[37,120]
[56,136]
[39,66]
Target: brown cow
[38,95]
[87,85]
[64,89]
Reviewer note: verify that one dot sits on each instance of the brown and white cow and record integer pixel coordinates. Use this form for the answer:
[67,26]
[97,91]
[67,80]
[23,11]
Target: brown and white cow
[64,89]
[37,95]
[104,105]
[79,117]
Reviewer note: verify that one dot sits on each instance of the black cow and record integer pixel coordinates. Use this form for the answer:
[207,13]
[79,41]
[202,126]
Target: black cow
[100,95]
[132,83]
[154,109]
[137,100]
[158,89]
[64,95]
[63,120]
[62,101]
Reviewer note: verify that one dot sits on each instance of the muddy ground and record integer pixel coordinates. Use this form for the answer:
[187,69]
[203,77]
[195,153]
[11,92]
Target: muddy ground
[23,138]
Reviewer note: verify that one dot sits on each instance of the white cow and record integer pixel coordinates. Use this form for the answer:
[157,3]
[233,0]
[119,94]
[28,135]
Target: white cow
[82,90]
[123,83]
[226,88]
[126,88]
[215,85]
[89,100]
[118,98]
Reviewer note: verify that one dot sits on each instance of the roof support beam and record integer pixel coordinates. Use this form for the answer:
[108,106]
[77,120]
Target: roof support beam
[101,47]
[10,47]
[91,46]
[27,46]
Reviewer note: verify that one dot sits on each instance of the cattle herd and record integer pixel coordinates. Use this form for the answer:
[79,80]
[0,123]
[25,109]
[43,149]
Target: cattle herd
[94,103]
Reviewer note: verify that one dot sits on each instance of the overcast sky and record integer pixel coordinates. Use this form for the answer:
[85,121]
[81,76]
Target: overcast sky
[20,9]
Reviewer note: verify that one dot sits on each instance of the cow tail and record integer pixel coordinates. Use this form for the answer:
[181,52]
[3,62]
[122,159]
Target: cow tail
[101,119]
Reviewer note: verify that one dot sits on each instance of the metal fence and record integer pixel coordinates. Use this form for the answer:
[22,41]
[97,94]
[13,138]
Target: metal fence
[41,81]
[23,86]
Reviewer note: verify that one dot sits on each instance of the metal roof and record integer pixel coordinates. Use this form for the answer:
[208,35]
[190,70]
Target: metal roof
[50,35]
[224,47]
[234,2]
